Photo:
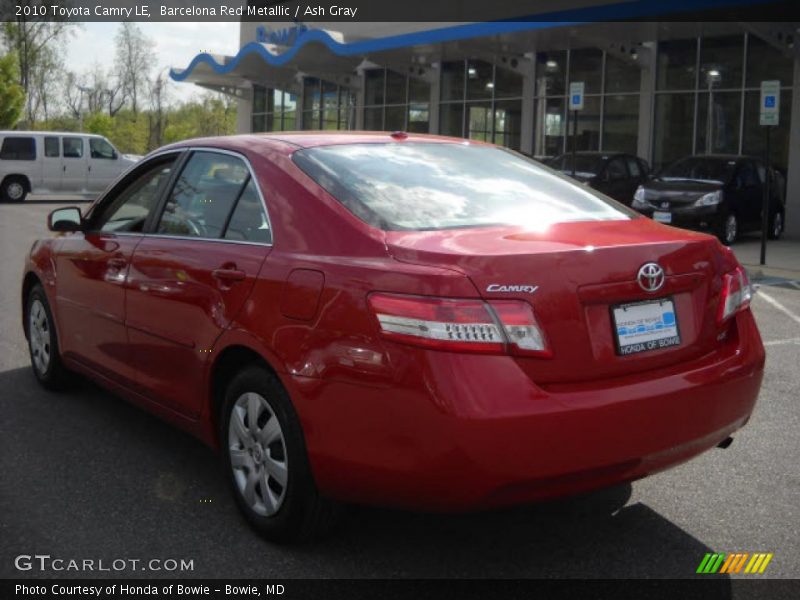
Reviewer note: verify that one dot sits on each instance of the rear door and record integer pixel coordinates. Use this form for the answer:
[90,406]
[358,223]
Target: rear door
[73,163]
[190,276]
[92,267]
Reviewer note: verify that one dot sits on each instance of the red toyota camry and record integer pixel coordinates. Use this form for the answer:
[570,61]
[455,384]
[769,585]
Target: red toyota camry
[395,319]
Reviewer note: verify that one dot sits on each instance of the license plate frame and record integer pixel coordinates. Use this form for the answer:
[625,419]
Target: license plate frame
[662,216]
[644,313]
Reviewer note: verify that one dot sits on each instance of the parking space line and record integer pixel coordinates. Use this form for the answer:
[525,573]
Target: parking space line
[779,306]
[781,342]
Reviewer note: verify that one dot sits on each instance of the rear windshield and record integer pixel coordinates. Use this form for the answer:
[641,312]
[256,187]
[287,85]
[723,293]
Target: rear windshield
[699,168]
[423,186]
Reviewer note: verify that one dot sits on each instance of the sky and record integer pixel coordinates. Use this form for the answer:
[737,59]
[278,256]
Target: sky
[175,46]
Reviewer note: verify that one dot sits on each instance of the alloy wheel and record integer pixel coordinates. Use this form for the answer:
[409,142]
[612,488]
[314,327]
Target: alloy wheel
[39,334]
[258,454]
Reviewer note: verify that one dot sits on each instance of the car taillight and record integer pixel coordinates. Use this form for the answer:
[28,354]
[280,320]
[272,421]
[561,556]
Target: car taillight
[459,325]
[736,294]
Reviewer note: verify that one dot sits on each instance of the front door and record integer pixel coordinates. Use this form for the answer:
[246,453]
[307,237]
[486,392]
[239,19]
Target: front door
[103,164]
[92,268]
[73,164]
[191,276]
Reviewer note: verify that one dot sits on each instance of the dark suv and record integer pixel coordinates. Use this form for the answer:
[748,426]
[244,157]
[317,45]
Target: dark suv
[721,193]
[614,174]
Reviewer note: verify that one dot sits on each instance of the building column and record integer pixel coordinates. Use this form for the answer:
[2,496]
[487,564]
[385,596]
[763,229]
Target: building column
[361,94]
[793,166]
[435,97]
[647,98]
[244,112]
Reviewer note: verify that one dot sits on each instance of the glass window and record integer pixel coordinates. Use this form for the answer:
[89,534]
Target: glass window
[551,69]
[373,87]
[418,118]
[451,119]
[311,94]
[588,125]
[395,88]
[330,110]
[290,112]
[480,80]
[718,122]
[586,65]
[554,127]
[622,75]
[258,123]
[100,148]
[249,221]
[507,83]
[203,195]
[755,142]
[128,208]
[616,170]
[721,61]
[621,123]
[72,146]
[677,60]
[508,123]
[52,148]
[418,90]
[634,167]
[373,119]
[672,127]
[479,121]
[452,81]
[424,186]
[259,99]
[765,63]
[395,118]
[18,148]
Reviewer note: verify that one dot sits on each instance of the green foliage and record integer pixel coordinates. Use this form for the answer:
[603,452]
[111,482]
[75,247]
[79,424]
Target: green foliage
[208,116]
[99,123]
[12,95]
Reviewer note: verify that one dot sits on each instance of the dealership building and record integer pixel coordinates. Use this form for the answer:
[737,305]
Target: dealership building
[660,90]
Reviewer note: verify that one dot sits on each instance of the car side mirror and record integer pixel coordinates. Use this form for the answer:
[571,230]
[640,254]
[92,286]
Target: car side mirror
[65,219]
[114,155]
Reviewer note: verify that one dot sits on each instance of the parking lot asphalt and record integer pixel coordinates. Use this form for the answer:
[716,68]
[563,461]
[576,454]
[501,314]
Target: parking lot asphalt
[87,476]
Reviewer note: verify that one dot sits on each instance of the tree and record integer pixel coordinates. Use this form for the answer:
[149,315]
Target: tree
[134,60]
[158,118]
[12,96]
[32,43]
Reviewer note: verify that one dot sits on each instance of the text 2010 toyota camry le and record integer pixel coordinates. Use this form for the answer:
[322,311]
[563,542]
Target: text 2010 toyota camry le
[395,319]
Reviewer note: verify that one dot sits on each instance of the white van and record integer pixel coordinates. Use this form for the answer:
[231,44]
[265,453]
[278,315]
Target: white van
[48,162]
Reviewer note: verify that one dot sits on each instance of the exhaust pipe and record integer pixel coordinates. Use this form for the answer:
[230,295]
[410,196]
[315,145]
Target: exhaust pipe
[725,443]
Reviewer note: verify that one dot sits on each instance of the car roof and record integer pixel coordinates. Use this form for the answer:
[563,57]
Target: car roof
[11,132]
[290,141]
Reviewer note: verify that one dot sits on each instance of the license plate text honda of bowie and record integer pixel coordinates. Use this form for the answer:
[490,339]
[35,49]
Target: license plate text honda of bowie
[394,319]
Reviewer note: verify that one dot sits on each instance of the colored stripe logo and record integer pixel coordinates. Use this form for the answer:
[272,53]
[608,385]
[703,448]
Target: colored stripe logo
[736,562]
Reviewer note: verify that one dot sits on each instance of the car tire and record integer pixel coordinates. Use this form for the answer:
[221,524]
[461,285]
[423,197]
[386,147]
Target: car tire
[728,229]
[43,345]
[264,456]
[775,226]
[14,189]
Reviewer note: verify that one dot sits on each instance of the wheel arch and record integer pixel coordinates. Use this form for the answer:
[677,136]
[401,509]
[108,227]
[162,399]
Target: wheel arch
[25,180]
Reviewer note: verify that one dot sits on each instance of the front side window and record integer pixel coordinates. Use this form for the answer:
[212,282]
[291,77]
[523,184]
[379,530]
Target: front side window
[100,148]
[73,147]
[616,170]
[52,149]
[425,186]
[18,148]
[204,195]
[128,208]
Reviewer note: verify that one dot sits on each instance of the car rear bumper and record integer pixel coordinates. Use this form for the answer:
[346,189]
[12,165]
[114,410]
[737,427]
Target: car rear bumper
[474,432]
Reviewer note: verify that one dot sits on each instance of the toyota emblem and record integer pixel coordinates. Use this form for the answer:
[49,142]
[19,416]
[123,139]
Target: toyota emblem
[650,277]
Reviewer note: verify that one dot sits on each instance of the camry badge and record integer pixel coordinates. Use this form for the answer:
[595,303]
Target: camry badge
[650,277]
[524,289]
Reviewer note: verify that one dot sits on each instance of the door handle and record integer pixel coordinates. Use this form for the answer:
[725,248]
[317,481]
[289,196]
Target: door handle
[229,275]
[117,263]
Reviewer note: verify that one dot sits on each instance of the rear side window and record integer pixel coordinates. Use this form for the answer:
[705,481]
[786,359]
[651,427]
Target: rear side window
[73,147]
[204,195]
[419,186]
[18,148]
[634,168]
[249,221]
[52,147]
[616,169]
